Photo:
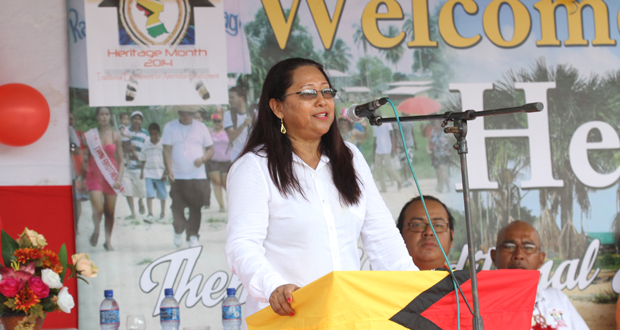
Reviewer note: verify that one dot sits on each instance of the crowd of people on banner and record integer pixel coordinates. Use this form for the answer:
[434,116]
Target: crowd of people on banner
[137,161]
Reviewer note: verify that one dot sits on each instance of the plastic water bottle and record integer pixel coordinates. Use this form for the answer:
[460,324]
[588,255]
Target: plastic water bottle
[169,316]
[109,317]
[231,311]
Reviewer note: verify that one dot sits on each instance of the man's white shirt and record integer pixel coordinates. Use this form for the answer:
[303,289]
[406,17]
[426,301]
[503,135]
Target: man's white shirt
[557,311]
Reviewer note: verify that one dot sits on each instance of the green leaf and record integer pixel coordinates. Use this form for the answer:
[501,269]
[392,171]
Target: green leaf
[83,279]
[10,303]
[3,307]
[9,245]
[48,305]
[36,310]
[62,255]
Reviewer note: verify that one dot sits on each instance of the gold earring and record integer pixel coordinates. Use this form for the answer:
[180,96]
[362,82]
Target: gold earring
[282,128]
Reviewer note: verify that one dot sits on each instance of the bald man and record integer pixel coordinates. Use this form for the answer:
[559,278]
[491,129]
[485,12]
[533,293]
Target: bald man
[518,247]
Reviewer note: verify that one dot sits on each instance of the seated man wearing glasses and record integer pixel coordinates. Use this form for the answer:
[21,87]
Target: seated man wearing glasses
[518,247]
[418,235]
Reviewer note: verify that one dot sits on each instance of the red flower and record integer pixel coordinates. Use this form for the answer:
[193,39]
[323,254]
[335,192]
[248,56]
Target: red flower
[26,299]
[10,286]
[51,261]
[24,273]
[26,255]
[40,289]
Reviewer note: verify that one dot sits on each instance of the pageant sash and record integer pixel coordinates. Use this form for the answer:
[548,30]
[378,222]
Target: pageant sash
[101,159]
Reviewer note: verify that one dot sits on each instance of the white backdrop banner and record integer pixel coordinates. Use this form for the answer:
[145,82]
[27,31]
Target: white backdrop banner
[237,44]
[76,28]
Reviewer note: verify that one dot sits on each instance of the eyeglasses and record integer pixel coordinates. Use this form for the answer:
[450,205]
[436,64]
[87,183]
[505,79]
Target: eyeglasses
[527,248]
[310,94]
[420,227]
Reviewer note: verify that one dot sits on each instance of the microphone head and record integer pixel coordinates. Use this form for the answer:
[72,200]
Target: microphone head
[352,115]
[533,107]
[540,106]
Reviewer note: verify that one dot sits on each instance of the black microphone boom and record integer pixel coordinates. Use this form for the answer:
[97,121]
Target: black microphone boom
[357,112]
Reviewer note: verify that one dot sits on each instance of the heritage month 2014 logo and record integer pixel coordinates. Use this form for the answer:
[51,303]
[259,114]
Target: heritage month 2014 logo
[156,22]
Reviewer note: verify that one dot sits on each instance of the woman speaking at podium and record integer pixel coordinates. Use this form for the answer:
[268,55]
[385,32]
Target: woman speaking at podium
[300,197]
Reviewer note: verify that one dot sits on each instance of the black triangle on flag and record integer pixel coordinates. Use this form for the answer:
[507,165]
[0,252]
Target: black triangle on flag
[109,3]
[410,317]
[192,3]
[200,3]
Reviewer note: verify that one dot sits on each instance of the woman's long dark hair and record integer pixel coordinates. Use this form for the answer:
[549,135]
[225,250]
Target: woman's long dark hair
[266,137]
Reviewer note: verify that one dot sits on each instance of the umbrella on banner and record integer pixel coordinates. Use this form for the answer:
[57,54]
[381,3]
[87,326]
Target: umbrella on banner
[419,106]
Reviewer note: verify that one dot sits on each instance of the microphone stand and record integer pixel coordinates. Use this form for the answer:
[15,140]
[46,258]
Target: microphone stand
[459,129]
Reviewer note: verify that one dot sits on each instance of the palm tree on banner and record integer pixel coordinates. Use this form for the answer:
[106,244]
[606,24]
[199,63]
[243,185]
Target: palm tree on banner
[338,56]
[422,57]
[574,101]
[506,158]
[434,61]
[611,83]
[372,69]
[394,54]
[265,50]
[360,38]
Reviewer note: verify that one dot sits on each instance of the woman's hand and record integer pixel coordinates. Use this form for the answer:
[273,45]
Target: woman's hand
[199,161]
[281,299]
[118,184]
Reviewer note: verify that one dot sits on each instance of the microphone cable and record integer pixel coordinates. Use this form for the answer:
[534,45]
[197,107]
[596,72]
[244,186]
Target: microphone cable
[457,286]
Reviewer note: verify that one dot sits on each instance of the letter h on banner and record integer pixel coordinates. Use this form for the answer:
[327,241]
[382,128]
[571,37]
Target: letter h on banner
[537,132]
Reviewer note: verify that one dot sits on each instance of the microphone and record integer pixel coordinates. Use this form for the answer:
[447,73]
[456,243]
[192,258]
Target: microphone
[357,112]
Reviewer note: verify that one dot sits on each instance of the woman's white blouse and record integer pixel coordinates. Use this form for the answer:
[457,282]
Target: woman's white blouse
[272,240]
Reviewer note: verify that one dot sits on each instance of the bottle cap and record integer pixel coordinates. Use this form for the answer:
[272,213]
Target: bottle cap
[169,292]
[108,293]
[231,291]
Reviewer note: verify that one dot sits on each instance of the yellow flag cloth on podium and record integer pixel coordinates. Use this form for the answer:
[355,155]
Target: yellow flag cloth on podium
[417,300]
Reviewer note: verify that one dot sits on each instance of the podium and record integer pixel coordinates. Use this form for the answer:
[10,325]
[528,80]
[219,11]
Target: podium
[422,300]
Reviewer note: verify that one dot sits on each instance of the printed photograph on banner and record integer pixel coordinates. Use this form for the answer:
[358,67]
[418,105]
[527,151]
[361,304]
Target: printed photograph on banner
[552,175]
[156,52]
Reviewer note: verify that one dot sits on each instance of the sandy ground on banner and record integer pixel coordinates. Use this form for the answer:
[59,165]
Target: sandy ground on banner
[137,244]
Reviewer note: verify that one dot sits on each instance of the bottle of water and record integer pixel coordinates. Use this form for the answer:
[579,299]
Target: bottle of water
[109,317]
[231,311]
[169,316]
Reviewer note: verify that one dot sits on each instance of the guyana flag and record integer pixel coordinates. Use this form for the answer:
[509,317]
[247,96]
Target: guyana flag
[152,9]
[424,300]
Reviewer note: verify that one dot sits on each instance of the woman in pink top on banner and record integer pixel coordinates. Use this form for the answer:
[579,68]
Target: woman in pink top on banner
[219,164]
[299,197]
[103,162]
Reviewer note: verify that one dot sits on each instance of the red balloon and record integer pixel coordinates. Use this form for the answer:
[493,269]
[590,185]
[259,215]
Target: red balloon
[24,115]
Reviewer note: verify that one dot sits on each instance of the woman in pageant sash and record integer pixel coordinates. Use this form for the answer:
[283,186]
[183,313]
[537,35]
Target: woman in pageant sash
[103,161]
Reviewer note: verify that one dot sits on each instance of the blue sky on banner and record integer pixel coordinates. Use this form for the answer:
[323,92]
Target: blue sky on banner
[485,61]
